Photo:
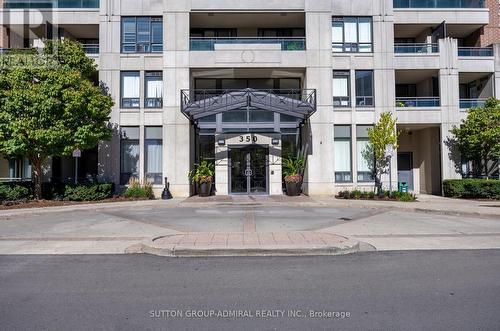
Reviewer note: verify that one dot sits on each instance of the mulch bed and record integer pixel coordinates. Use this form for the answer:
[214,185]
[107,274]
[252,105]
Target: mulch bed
[54,203]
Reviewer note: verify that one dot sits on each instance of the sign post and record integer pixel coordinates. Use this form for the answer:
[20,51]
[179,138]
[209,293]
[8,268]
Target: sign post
[76,154]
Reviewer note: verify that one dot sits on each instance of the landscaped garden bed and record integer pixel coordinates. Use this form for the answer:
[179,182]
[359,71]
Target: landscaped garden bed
[384,196]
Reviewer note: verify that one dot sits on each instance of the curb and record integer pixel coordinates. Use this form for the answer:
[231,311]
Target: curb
[148,247]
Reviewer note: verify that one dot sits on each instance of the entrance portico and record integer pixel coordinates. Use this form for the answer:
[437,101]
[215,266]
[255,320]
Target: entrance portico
[251,129]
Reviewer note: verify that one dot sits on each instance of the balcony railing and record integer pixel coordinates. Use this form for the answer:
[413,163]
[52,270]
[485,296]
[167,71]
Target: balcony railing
[475,51]
[91,49]
[439,3]
[287,44]
[27,4]
[419,48]
[471,103]
[417,102]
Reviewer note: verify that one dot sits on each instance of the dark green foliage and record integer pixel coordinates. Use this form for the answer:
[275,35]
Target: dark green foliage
[472,188]
[14,192]
[88,192]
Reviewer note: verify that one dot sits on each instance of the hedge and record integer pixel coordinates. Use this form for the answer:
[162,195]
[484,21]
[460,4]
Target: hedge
[57,191]
[15,192]
[88,192]
[472,188]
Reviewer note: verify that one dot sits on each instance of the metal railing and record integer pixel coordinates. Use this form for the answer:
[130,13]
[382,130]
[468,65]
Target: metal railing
[439,3]
[471,103]
[39,4]
[366,101]
[475,51]
[352,47]
[91,49]
[287,44]
[153,103]
[417,102]
[417,48]
[197,104]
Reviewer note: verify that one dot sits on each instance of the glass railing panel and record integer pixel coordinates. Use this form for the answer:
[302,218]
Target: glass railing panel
[40,4]
[471,103]
[418,48]
[439,3]
[475,51]
[417,102]
[208,44]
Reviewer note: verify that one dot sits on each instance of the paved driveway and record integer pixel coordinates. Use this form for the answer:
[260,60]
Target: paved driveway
[112,228]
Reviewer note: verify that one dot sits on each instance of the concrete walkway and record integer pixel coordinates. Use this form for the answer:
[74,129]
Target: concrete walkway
[249,244]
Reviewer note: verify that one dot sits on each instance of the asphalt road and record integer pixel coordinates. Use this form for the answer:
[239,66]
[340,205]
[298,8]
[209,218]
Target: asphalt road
[433,290]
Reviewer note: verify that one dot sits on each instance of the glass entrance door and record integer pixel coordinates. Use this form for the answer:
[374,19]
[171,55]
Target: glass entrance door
[249,170]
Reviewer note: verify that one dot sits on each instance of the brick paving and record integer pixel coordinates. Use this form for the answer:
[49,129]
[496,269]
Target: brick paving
[254,240]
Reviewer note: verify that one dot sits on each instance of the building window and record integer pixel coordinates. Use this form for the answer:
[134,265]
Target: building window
[142,34]
[352,35]
[154,89]
[129,154]
[341,87]
[342,153]
[130,86]
[364,88]
[154,154]
[365,159]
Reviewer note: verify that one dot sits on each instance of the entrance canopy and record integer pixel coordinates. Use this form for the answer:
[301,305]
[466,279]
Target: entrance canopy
[198,105]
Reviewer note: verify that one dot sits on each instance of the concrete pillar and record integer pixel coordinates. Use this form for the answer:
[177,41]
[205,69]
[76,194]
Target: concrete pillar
[318,134]
[178,138]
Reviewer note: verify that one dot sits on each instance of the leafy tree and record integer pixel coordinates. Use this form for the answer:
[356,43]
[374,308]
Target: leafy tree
[478,137]
[382,135]
[52,110]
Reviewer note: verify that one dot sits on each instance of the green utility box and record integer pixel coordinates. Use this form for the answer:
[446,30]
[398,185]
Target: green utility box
[403,187]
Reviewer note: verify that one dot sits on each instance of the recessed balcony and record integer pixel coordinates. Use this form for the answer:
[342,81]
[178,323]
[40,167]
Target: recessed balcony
[417,90]
[475,89]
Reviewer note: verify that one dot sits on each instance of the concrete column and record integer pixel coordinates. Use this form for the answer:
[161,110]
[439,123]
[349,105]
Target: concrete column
[318,134]
[178,135]
[450,104]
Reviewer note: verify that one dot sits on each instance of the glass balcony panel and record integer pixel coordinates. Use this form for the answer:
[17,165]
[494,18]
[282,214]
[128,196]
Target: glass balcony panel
[417,48]
[439,3]
[475,51]
[287,44]
[471,103]
[417,102]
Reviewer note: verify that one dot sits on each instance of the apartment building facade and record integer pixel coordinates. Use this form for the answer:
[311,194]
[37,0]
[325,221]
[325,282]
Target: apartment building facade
[245,84]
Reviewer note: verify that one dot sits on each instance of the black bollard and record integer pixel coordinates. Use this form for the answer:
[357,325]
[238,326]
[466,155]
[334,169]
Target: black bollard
[166,195]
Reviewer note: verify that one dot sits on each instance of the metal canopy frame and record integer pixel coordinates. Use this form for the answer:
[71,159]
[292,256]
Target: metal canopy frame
[198,104]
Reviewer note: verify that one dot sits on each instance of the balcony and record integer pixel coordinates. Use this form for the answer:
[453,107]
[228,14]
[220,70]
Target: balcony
[416,48]
[418,102]
[41,4]
[471,103]
[475,51]
[439,3]
[209,44]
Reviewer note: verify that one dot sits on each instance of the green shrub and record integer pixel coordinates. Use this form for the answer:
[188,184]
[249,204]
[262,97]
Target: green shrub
[14,192]
[404,196]
[88,192]
[138,190]
[472,188]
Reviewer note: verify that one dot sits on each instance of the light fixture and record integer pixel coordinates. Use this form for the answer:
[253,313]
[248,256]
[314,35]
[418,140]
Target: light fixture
[221,142]
[275,141]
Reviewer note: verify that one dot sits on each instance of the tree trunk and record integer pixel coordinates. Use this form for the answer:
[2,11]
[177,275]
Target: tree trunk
[486,170]
[37,162]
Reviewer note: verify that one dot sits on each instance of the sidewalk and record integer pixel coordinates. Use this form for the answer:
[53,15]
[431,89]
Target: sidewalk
[249,244]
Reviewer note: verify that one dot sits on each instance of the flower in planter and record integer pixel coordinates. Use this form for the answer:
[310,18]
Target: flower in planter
[293,179]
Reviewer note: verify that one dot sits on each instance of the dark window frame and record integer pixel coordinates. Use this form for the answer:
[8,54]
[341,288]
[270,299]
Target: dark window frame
[149,46]
[352,47]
